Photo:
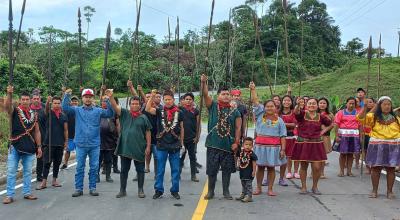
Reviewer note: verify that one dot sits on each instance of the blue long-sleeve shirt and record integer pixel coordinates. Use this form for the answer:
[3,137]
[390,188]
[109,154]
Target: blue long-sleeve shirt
[87,122]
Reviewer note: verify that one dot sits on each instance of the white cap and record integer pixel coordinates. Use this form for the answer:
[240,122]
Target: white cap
[384,98]
[87,92]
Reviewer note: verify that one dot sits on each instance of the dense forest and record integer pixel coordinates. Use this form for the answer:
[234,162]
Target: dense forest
[314,47]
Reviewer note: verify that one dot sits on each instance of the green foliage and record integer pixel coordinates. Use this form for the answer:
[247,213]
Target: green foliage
[4,133]
[26,77]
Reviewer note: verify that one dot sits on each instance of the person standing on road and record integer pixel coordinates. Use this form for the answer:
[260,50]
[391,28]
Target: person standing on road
[71,132]
[170,141]
[38,107]
[246,163]
[223,139]
[270,144]
[53,151]
[87,137]
[108,142]
[384,144]
[25,143]
[347,136]
[309,146]
[134,142]
[323,109]
[191,119]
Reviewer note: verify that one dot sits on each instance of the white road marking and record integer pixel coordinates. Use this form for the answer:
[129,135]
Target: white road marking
[33,180]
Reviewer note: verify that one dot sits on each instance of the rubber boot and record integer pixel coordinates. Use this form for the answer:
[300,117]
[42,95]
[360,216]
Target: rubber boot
[211,187]
[226,179]
[108,173]
[140,177]
[123,181]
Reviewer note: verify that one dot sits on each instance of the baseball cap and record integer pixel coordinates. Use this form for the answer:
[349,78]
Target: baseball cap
[88,92]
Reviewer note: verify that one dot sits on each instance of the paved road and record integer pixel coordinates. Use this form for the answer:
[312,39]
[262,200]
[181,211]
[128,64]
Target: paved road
[343,198]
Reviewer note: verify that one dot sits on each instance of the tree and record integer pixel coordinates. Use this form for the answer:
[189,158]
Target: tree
[354,47]
[89,11]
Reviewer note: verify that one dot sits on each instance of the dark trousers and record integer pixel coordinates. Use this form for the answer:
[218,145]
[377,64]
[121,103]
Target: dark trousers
[114,161]
[106,157]
[126,166]
[53,155]
[247,187]
[191,150]
[39,169]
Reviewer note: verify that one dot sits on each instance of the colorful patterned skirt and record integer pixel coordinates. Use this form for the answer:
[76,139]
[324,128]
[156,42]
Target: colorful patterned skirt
[384,153]
[309,150]
[349,141]
[290,141]
[268,150]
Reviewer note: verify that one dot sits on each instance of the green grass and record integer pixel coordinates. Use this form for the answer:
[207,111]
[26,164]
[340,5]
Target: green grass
[4,132]
[346,80]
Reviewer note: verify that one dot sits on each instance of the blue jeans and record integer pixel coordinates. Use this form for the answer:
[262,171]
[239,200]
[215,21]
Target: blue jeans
[154,151]
[81,154]
[174,163]
[12,165]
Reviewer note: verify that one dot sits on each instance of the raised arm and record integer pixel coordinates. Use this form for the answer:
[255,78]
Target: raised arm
[207,98]
[66,101]
[114,105]
[8,103]
[131,88]
[141,93]
[149,105]
[254,97]
[47,108]
[109,112]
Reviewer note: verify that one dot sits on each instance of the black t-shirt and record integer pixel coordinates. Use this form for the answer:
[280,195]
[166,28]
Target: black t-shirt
[168,140]
[42,121]
[71,124]
[108,134]
[57,130]
[189,124]
[246,158]
[242,109]
[153,122]
[22,134]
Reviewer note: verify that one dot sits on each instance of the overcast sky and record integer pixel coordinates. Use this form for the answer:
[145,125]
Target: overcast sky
[356,18]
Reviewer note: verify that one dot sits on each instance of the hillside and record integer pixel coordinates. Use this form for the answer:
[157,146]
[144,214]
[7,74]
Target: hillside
[344,81]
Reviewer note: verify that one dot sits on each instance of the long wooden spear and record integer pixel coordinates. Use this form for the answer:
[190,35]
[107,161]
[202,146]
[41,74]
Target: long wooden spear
[177,56]
[369,56]
[10,59]
[301,51]
[228,50]
[169,49]
[262,53]
[135,44]
[284,5]
[65,61]
[49,80]
[80,48]
[106,49]
[205,66]
[19,35]
[379,64]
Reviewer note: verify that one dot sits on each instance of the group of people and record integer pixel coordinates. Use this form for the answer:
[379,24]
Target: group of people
[291,133]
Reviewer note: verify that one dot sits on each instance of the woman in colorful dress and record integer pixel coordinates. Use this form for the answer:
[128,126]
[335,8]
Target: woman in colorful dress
[384,144]
[347,136]
[309,147]
[270,143]
[286,113]
[370,104]
[323,109]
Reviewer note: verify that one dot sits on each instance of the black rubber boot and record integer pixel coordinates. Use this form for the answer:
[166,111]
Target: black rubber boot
[140,177]
[108,173]
[226,179]
[123,179]
[211,187]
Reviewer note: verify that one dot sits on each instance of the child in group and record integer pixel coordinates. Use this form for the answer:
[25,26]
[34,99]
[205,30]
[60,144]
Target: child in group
[246,163]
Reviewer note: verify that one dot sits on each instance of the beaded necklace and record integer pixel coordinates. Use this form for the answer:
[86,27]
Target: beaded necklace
[223,126]
[244,159]
[25,123]
[387,119]
[170,125]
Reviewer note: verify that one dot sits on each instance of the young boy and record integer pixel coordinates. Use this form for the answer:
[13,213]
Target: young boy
[246,162]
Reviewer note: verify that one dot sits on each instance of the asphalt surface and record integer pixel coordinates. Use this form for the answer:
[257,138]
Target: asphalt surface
[343,198]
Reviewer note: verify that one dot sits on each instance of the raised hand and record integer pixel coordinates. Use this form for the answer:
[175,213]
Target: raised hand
[203,78]
[129,83]
[252,86]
